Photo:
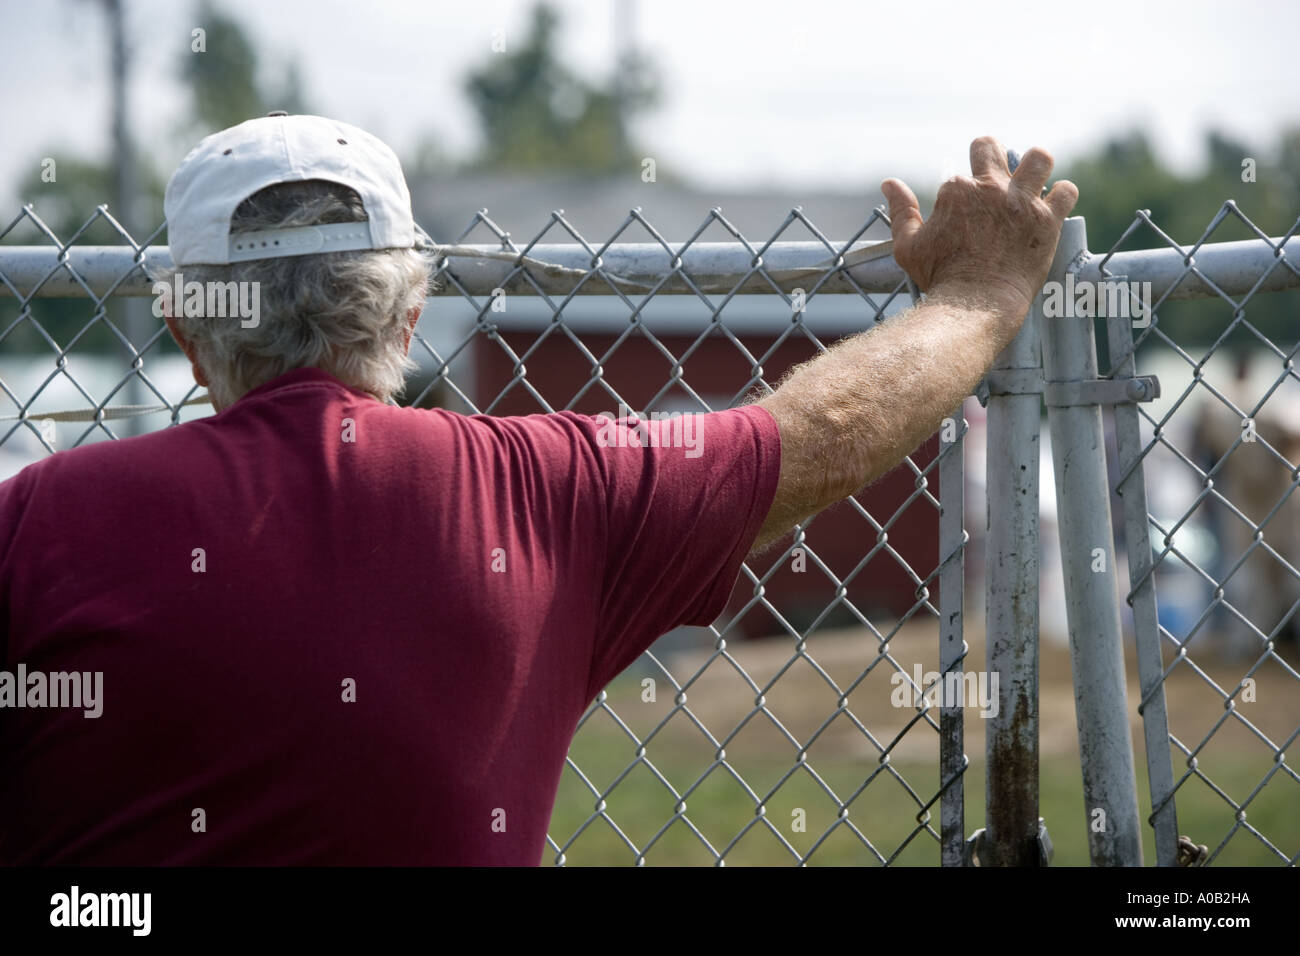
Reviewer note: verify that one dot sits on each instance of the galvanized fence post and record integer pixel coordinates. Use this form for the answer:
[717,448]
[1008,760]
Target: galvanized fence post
[1010,835]
[1132,490]
[1088,562]
[952,644]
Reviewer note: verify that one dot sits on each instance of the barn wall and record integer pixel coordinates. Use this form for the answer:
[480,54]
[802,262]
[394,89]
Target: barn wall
[558,370]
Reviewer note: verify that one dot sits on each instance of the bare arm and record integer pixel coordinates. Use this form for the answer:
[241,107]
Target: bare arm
[852,414]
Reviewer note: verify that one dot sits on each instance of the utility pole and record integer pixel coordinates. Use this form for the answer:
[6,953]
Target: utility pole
[624,40]
[134,315]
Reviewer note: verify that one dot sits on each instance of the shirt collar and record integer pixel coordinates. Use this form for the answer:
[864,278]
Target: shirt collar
[300,376]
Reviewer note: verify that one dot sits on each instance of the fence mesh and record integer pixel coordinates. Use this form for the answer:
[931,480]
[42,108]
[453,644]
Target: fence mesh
[774,735]
[1219,453]
[777,734]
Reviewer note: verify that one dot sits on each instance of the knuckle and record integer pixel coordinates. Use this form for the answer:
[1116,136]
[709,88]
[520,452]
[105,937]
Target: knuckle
[956,185]
[1042,156]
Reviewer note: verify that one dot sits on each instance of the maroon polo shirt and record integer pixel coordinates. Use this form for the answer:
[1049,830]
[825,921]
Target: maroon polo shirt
[347,633]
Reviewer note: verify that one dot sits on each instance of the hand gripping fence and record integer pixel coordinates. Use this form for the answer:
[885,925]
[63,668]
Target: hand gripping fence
[720,748]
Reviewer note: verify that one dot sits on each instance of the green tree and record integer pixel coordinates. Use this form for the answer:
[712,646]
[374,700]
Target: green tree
[223,77]
[224,91]
[1125,175]
[537,114]
[67,205]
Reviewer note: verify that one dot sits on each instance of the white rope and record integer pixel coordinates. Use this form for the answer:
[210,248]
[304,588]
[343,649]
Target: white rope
[108,412]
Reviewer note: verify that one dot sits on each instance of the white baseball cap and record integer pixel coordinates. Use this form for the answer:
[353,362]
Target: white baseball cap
[227,167]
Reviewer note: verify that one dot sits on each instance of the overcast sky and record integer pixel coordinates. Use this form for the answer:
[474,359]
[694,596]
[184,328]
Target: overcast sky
[815,93]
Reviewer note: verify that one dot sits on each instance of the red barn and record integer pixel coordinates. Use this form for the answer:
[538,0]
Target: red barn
[636,368]
[597,351]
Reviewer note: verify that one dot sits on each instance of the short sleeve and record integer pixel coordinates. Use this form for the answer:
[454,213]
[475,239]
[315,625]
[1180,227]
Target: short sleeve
[651,518]
[685,499]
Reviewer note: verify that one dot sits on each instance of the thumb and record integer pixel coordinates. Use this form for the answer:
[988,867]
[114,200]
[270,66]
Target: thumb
[1062,198]
[904,211]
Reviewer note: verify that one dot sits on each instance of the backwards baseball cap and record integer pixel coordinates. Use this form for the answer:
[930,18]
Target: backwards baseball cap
[227,167]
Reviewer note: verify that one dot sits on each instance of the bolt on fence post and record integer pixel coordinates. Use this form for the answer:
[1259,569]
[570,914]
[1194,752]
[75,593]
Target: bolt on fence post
[1011,612]
[1091,597]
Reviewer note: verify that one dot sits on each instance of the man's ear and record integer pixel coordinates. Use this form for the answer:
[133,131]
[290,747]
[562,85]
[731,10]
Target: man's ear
[412,317]
[199,375]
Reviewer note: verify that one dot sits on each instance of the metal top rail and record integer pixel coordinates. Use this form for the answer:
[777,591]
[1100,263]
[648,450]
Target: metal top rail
[1232,268]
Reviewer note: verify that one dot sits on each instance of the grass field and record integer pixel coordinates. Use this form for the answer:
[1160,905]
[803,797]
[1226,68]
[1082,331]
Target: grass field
[842,759]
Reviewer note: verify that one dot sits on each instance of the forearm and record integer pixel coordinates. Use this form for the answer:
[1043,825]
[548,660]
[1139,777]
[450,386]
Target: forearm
[855,412]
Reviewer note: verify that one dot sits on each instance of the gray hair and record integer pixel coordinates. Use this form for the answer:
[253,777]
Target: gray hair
[342,312]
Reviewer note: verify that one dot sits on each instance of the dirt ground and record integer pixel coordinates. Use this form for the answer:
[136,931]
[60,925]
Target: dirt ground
[803,699]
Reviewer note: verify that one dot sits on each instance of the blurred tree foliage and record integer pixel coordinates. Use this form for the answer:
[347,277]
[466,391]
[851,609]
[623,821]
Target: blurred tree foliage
[222,79]
[536,114]
[224,85]
[1126,175]
[224,89]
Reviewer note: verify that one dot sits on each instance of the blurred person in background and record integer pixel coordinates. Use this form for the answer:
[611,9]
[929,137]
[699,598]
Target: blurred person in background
[1260,591]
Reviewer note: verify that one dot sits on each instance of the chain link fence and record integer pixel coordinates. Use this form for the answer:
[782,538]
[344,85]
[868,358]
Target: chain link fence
[802,725]
[769,736]
[1207,478]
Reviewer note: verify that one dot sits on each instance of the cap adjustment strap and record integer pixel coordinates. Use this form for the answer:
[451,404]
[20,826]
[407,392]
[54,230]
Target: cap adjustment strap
[300,241]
